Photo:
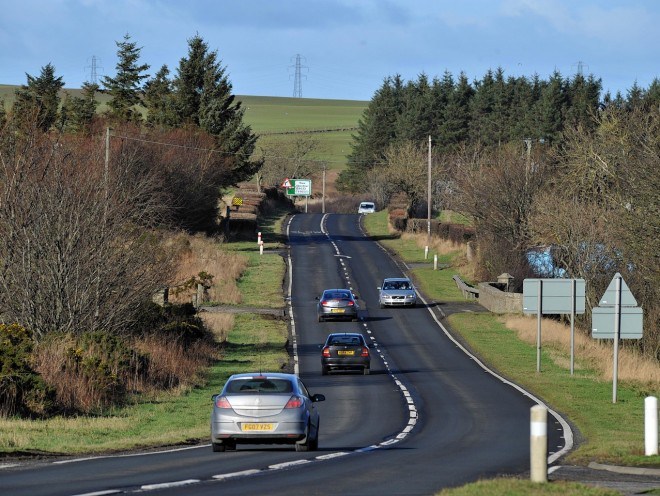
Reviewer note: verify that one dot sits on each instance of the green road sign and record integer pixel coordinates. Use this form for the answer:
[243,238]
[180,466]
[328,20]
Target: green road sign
[299,187]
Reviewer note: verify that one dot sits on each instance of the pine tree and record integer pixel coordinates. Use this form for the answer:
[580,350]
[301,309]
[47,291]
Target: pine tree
[78,112]
[551,108]
[455,123]
[203,97]
[376,130]
[159,100]
[125,88]
[39,99]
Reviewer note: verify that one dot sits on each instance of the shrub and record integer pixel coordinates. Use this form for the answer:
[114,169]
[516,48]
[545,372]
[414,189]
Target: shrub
[22,392]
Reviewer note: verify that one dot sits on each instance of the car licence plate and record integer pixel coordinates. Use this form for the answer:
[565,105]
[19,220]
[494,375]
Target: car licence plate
[256,427]
[337,310]
[346,352]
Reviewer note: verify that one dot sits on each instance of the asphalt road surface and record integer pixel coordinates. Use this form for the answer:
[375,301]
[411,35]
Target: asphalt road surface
[429,416]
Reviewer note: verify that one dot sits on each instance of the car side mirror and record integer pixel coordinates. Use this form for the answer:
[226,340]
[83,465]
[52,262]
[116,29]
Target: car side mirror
[214,397]
[317,397]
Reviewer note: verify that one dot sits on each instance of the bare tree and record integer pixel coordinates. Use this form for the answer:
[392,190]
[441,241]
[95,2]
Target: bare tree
[77,252]
[288,159]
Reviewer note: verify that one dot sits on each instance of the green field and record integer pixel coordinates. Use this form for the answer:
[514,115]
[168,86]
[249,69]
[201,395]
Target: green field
[333,122]
[276,119]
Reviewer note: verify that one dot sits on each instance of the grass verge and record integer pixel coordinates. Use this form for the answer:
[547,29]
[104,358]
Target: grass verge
[610,433]
[253,342]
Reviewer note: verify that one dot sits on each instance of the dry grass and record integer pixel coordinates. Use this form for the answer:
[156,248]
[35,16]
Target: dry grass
[219,324]
[591,353]
[200,253]
[439,245]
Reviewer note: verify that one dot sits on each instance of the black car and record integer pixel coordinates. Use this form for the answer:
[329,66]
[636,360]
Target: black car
[338,304]
[345,351]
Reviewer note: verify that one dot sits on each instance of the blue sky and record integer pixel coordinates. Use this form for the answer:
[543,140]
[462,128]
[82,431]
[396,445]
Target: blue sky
[347,47]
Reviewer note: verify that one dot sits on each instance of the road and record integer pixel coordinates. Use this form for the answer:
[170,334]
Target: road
[429,416]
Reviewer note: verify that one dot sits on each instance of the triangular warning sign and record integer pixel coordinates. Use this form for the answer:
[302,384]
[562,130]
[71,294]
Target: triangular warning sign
[609,298]
[287,183]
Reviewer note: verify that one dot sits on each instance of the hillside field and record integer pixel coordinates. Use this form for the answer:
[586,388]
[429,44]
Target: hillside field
[279,118]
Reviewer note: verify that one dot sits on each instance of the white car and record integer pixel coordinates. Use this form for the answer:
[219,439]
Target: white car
[367,208]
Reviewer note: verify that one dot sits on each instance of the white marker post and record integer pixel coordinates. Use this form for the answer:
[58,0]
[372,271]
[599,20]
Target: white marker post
[650,426]
[538,444]
[435,262]
[426,252]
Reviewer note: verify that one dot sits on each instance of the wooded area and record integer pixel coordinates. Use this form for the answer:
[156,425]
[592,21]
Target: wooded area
[543,167]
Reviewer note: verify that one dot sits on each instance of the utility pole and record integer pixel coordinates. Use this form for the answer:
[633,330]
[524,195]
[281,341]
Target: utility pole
[428,199]
[323,192]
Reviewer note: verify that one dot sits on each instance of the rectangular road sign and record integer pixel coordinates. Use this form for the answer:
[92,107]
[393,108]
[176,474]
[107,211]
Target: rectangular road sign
[602,323]
[299,187]
[555,296]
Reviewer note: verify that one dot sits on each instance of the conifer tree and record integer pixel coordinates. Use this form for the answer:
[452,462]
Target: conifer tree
[203,97]
[78,112]
[40,98]
[125,89]
[376,130]
[159,101]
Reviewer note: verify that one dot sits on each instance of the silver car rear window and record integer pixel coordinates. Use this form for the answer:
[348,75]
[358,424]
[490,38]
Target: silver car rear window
[259,385]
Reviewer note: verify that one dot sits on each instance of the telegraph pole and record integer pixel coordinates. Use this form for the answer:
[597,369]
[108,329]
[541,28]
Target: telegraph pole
[428,199]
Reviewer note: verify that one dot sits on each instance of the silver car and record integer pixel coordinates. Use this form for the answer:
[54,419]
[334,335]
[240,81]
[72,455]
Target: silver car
[265,408]
[397,291]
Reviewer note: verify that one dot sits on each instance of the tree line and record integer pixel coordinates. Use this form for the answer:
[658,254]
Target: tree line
[557,178]
[88,200]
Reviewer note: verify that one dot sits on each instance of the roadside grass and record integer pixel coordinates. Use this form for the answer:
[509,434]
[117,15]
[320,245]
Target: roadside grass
[608,433]
[250,342]
[518,487]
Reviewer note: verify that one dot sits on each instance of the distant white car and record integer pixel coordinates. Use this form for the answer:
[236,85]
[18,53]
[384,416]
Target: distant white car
[367,208]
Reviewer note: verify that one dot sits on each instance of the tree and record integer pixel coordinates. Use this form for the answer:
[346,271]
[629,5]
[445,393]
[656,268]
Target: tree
[78,113]
[125,89]
[406,171]
[78,252]
[376,131]
[288,158]
[203,95]
[40,97]
[159,101]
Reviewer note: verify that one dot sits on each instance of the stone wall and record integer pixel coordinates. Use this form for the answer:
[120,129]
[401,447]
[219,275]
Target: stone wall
[497,301]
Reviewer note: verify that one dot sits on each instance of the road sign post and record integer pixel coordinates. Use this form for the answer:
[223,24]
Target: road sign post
[553,296]
[617,317]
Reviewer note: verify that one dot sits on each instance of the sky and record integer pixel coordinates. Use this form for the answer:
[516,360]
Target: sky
[345,48]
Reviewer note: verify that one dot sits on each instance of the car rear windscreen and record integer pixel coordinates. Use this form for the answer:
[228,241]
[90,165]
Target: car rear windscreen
[259,386]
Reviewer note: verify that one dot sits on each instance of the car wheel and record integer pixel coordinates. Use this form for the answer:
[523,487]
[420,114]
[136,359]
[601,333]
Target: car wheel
[324,370]
[218,447]
[307,444]
[381,305]
[320,319]
[366,370]
[314,444]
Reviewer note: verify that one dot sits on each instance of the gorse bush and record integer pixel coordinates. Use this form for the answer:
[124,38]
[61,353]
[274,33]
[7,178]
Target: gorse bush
[22,391]
[95,371]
